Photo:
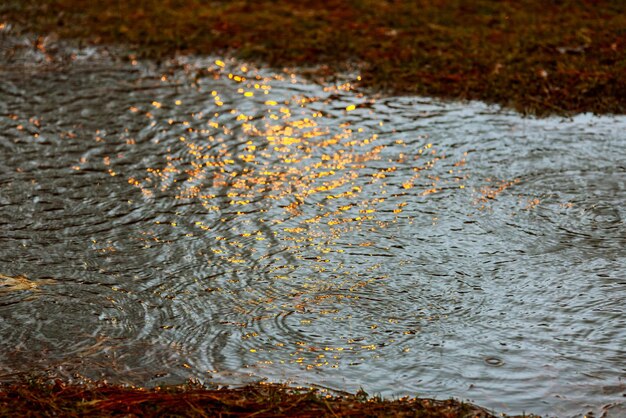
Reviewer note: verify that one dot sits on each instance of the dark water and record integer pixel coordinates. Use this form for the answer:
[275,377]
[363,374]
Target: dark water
[166,221]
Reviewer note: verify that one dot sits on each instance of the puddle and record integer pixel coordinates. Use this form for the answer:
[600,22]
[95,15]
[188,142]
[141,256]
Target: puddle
[203,218]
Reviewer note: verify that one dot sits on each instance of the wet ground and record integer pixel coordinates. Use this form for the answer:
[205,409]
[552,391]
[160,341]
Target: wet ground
[202,218]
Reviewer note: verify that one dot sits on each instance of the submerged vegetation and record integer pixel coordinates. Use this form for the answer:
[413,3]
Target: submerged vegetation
[37,398]
[537,56]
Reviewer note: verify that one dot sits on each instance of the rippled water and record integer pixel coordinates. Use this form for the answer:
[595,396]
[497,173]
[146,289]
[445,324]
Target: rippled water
[197,218]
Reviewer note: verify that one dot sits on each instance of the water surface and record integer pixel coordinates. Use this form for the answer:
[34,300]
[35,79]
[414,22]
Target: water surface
[201,218]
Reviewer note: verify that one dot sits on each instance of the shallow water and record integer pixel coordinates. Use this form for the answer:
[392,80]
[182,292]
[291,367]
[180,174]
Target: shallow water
[198,218]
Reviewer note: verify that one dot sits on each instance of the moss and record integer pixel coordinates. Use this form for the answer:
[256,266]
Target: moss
[537,56]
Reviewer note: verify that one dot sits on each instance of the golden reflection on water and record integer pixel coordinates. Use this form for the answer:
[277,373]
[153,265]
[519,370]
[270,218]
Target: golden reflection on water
[277,174]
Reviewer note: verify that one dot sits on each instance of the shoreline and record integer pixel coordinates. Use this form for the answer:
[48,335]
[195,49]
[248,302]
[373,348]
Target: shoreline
[537,58]
[43,397]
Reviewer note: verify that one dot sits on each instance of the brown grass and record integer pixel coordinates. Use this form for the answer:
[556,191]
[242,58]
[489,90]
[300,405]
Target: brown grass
[537,56]
[37,398]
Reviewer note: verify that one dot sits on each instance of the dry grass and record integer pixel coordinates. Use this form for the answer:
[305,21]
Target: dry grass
[537,56]
[36,398]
